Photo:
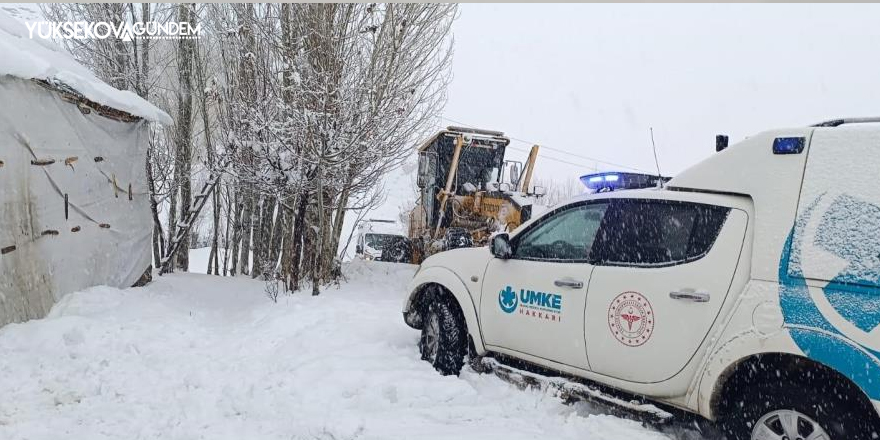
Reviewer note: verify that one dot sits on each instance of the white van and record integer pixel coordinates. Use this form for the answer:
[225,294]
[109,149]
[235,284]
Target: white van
[381,240]
[747,290]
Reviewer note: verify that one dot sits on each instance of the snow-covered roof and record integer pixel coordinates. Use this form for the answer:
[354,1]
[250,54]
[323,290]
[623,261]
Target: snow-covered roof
[23,57]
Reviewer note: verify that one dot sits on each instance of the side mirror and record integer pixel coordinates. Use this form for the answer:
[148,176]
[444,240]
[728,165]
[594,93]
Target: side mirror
[539,191]
[514,174]
[500,246]
[359,249]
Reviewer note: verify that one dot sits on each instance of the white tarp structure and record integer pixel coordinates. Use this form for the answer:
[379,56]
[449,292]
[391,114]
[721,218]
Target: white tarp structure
[74,204]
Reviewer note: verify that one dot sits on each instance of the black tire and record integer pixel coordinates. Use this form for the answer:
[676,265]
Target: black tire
[447,356]
[474,360]
[830,406]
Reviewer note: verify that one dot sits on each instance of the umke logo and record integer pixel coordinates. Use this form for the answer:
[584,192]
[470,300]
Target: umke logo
[540,305]
[507,300]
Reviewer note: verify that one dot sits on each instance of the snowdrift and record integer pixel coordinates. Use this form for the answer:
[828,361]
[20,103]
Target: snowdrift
[205,357]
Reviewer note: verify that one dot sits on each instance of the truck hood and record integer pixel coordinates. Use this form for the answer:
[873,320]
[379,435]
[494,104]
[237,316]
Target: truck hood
[464,262]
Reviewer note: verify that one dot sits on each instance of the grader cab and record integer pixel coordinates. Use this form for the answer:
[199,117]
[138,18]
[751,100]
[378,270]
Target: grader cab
[467,190]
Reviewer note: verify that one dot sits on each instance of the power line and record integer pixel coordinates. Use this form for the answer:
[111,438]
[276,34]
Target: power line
[546,157]
[524,150]
[593,159]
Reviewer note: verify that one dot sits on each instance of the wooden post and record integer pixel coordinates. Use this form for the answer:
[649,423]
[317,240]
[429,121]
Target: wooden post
[529,168]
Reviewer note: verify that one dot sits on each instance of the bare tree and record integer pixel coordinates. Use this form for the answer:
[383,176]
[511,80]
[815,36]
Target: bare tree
[316,102]
[557,191]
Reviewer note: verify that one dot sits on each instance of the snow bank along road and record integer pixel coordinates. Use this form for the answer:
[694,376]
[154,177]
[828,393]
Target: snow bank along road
[200,357]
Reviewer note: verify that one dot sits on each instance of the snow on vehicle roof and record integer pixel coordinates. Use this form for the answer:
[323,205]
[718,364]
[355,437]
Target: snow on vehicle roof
[27,58]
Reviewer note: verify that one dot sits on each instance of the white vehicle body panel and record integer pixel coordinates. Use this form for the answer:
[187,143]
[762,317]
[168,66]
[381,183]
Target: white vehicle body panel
[528,329]
[454,270]
[681,325]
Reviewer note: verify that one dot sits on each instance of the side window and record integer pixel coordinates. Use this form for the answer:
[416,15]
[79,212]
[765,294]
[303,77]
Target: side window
[564,236]
[427,168]
[657,232]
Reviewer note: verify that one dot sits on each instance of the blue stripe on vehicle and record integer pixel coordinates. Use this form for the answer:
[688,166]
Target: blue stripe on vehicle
[813,333]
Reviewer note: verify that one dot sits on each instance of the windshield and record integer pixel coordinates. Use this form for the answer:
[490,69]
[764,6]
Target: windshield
[479,166]
[379,241]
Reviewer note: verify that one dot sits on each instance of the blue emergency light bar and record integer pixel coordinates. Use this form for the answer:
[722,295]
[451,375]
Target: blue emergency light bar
[788,145]
[601,182]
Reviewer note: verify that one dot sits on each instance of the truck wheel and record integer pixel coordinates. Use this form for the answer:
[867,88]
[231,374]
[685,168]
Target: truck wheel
[444,339]
[793,411]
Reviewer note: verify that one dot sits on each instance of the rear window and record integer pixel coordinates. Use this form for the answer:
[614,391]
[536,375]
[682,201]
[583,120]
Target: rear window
[657,232]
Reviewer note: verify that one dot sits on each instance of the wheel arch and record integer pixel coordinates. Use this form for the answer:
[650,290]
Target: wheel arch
[774,366]
[434,282]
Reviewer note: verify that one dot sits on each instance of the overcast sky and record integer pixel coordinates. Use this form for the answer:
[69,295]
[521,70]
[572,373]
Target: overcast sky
[591,79]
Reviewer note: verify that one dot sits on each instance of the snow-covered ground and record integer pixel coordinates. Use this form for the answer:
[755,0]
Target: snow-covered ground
[203,357]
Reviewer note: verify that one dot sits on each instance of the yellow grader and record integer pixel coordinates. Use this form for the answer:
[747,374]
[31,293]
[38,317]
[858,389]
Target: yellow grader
[468,191]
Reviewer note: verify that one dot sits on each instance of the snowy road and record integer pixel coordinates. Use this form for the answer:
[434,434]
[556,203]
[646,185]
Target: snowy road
[199,357]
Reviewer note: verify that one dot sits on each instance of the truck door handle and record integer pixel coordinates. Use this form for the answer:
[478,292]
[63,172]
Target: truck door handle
[569,283]
[690,295]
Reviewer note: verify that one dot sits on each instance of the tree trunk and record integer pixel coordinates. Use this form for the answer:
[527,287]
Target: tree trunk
[298,246]
[172,209]
[248,95]
[279,232]
[315,231]
[236,231]
[339,218]
[183,138]
[226,232]
[145,54]
[213,262]
[286,234]
[158,234]
[247,227]
[262,265]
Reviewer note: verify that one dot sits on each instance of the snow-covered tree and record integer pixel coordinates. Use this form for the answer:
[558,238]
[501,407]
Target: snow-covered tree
[316,102]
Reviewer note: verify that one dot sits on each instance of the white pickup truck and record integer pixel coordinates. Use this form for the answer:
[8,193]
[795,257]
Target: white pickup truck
[747,290]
